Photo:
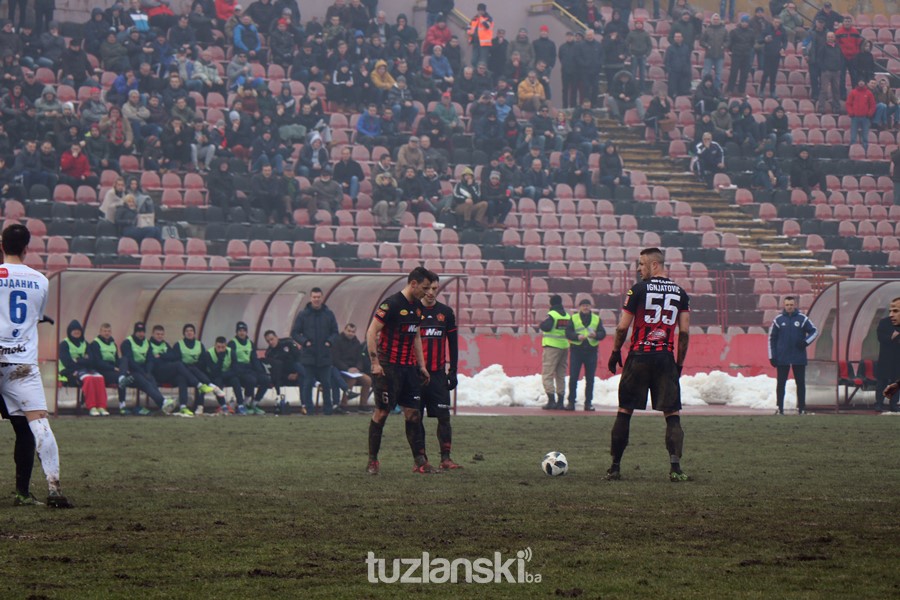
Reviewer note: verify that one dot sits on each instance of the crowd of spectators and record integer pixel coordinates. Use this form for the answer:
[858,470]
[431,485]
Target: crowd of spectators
[147,80]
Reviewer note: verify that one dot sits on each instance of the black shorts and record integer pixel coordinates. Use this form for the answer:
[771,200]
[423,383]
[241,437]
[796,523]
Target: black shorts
[398,386]
[656,373]
[436,396]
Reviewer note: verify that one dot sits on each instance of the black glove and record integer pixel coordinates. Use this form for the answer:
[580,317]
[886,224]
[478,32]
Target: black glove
[46,319]
[772,362]
[615,358]
[452,381]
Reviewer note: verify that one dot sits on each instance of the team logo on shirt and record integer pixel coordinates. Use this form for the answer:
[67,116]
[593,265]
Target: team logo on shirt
[441,317]
[404,312]
[4,273]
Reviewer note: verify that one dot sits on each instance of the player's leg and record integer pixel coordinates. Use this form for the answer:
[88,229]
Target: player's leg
[665,395]
[674,445]
[263,383]
[23,455]
[590,370]
[780,383]
[384,404]
[23,392]
[148,385]
[800,380]
[409,396]
[440,408]
[633,387]
[306,386]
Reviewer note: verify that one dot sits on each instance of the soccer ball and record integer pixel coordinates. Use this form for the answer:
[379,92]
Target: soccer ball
[555,464]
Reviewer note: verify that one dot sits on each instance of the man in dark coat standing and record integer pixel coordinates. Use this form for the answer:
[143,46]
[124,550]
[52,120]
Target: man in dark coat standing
[315,329]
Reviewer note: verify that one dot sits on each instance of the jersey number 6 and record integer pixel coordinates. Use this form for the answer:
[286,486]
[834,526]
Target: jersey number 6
[663,310]
[18,310]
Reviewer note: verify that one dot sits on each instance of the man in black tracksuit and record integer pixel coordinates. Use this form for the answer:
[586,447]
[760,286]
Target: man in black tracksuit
[137,363]
[315,330]
[283,357]
[249,371]
[584,332]
[219,362]
[569,65]
[888,356]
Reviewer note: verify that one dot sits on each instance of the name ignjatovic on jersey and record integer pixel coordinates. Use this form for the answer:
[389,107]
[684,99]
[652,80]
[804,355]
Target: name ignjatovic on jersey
[662,287]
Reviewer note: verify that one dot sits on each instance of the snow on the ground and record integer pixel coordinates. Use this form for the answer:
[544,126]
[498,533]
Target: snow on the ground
[492,387]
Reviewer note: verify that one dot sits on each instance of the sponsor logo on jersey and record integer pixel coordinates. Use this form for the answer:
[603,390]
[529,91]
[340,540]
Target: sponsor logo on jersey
[629,293]
[412,328]
[13,350]
[4,272]
[432,332]
[384,306]
[404,312]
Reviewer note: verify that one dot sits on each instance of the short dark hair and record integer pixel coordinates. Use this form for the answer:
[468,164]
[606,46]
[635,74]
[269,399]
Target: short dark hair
[158,328]
[654,254]
[791,298]
[897,299]
[315,290]
[268,331]
[420,274]
[353,325]
[221,340]
[188,326]
[15,239]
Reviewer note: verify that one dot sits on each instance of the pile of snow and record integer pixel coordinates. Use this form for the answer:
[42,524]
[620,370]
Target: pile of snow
[492,387]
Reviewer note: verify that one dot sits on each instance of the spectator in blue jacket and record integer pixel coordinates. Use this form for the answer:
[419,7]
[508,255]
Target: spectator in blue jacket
[246,39]
[791,333]
[368,128]
[315,330]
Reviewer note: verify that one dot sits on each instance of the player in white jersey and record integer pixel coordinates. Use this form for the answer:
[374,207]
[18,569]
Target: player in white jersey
[23,296]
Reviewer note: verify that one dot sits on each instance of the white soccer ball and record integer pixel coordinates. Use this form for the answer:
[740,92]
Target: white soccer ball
[555,464]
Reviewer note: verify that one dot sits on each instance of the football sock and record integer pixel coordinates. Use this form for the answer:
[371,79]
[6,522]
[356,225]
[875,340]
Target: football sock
[415,435]
[445,436]
[375,430]
[674,441]
[620,436]
[47,450]
[23,453]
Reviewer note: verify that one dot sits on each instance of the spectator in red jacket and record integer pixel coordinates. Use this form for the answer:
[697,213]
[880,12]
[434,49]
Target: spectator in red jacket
[74,168]
[848,40]
[437,35]
[861,109]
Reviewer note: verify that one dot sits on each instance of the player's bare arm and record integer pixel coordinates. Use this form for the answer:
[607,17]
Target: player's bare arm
[420,358]
[684,324]
[372,332]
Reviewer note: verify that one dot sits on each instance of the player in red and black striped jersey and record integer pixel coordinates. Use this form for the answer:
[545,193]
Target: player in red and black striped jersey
[438,331]
[655,306]
[398,367]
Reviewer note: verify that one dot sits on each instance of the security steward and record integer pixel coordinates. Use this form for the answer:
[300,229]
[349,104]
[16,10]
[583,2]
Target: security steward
[555,346]
[584,332]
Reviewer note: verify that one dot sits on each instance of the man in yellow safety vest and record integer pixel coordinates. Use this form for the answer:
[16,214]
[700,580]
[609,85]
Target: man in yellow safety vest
[555,347]
[584,332]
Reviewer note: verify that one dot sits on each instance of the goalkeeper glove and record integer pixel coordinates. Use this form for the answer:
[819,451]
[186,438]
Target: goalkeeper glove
[614,359]
[452,381]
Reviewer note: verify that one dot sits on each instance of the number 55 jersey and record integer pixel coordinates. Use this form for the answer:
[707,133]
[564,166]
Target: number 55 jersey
[23,297]
[655,305]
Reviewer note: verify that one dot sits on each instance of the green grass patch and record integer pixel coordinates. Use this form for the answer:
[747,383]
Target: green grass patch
[791,507]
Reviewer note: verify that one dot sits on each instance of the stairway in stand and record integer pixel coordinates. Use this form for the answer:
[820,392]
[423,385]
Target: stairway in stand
[742,221]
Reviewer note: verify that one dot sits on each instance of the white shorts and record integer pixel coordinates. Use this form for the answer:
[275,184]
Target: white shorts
[22,388]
